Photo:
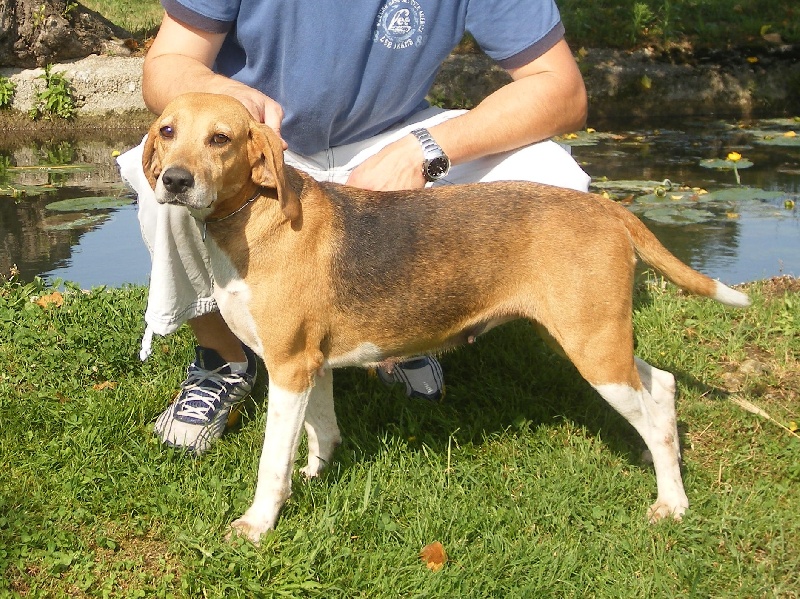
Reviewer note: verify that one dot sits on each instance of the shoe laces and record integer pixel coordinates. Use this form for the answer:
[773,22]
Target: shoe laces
[202,391]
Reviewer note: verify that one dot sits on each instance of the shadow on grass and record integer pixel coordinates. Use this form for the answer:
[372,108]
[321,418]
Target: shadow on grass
[508,381]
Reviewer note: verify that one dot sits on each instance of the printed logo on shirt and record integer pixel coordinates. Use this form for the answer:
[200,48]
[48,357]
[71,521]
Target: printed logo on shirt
[400,24]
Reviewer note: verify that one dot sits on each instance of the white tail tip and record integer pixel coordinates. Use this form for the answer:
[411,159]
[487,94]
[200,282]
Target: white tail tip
[731,297]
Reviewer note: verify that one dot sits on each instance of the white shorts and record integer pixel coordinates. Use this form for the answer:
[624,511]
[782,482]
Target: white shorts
[181,285]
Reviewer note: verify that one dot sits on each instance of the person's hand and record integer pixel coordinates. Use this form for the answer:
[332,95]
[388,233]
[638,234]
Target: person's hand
[261,107]
[397,166]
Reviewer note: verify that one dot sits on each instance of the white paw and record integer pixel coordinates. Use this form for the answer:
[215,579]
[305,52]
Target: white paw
[247,530]
[662,509]
[314,468]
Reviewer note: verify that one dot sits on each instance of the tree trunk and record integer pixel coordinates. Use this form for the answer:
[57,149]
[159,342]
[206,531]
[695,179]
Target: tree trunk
[34,33]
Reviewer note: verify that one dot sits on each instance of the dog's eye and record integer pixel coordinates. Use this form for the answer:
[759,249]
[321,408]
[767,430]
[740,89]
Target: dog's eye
[167,131]
[219,139]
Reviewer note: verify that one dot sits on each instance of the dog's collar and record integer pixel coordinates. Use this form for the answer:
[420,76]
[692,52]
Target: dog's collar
[227,216]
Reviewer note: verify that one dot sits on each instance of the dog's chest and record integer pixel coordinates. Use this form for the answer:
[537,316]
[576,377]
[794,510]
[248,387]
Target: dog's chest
[233,297]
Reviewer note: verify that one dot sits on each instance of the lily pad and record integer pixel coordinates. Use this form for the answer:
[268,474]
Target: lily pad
[771,138]
[19,191]
[88,203]
[687,207]
[744,194]
[674,215]
[54,168]
[679,196]
[722,163]
[634,186]
[586,138]
[67,224]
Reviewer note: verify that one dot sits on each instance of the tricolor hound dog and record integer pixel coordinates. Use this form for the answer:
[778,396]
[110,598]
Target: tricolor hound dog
[314,276]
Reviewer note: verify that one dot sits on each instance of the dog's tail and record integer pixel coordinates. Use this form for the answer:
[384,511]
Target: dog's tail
[656,255]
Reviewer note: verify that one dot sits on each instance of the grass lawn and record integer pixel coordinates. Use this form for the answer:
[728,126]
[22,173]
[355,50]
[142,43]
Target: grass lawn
[534,486]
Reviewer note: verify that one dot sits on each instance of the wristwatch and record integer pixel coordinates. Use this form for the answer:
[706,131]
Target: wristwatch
[435,163]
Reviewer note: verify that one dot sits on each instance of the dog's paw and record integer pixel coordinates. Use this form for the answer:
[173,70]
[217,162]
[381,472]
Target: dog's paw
[314,467]
[243,529]
[662,509]
[310,471]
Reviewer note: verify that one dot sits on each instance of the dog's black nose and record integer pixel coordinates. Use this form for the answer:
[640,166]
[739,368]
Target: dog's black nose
[177,179]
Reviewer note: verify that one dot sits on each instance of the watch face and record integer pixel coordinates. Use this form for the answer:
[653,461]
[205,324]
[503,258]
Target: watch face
[437,168]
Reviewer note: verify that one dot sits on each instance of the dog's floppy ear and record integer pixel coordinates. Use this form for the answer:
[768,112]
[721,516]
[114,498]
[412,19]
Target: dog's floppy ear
[266,166]
[150,163]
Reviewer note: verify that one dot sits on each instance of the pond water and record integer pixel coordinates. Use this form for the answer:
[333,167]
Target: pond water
[64,213]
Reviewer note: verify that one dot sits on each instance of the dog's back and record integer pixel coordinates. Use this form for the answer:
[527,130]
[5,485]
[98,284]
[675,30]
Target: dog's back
[493,251]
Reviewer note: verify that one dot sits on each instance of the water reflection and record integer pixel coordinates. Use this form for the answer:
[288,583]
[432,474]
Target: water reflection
[745,240]
[90,247]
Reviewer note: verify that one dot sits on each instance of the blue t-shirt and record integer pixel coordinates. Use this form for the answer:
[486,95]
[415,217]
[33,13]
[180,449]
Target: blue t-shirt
[345,70]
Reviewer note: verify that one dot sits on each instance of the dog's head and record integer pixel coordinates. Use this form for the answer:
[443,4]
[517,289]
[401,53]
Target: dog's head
[206,152]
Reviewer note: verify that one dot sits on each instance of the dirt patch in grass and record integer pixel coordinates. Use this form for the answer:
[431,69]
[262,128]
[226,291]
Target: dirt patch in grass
[129,562]
[780,286]
[769,373]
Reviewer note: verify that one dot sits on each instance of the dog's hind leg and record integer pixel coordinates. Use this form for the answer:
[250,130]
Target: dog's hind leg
[285,415]
[650,409]
[321,427]
[596,334]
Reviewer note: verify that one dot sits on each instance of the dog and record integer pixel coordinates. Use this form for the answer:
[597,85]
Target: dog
[315,276]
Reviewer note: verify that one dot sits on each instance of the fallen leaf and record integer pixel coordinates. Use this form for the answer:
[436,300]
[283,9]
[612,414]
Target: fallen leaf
[790,134]
[105,385]
[51,299]
[434,556]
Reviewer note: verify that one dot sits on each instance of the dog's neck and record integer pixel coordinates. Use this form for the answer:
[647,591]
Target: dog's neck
[267,213]
[219,219]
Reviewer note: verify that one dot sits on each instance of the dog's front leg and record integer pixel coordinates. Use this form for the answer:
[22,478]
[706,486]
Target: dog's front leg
[285,414]
[321,427]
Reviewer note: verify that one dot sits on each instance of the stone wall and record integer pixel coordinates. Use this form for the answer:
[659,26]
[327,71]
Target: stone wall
[619,84]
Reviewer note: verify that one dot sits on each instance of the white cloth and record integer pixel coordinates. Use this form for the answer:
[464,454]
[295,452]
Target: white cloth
[181,285]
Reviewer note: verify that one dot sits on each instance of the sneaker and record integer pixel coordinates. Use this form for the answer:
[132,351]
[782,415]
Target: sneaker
[210,399]
[422,376]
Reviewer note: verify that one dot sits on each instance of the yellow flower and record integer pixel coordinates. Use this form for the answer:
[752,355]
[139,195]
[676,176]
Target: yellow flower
[734,156]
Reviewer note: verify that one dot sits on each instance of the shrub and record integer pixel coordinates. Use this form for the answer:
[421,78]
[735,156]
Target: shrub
[56,99]
[7,88]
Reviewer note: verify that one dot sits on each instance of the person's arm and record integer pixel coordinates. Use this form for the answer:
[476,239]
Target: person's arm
[180,61]
[547,97]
